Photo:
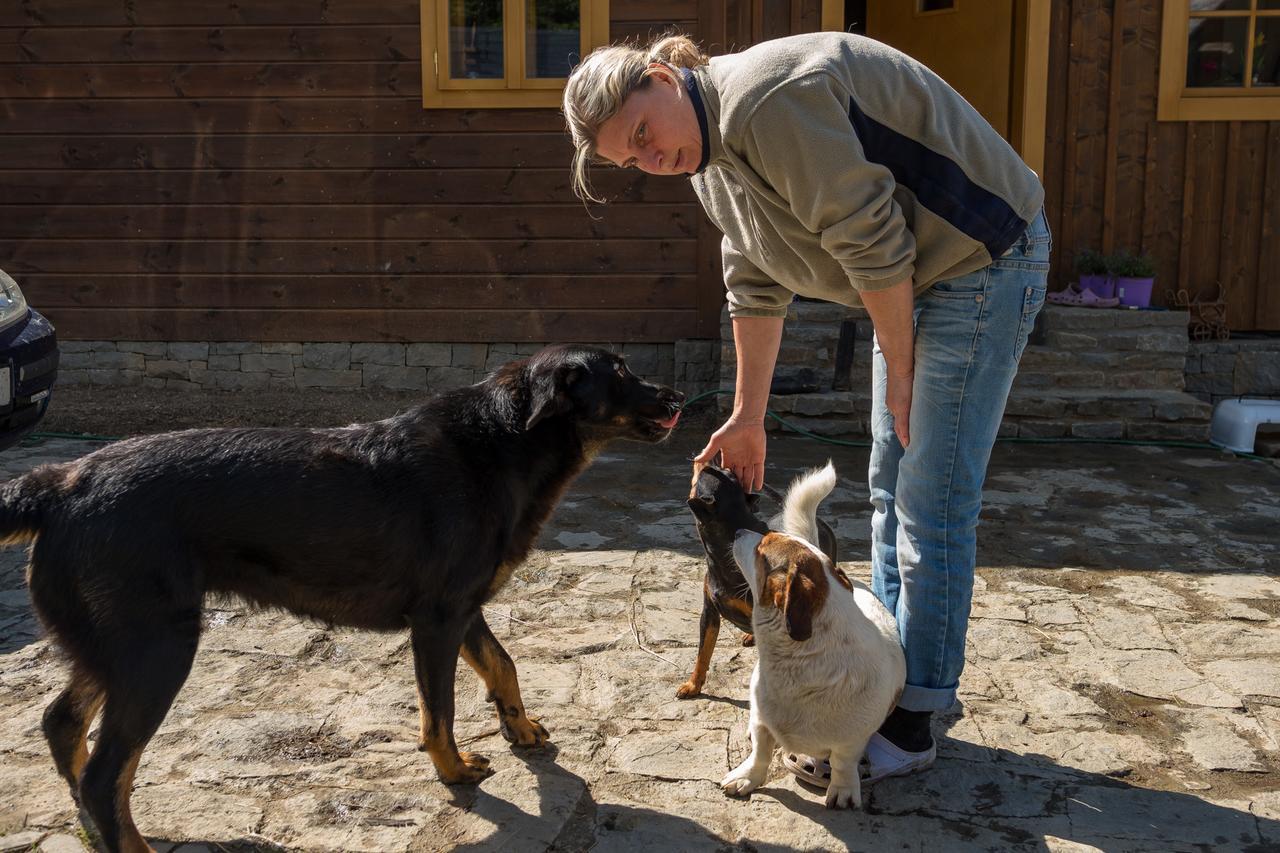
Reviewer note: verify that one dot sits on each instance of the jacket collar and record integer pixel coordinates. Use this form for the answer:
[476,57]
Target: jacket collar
[706,103]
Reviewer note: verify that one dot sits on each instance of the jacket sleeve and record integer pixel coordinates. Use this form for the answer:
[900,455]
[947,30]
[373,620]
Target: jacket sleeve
[751,293]
[800,140]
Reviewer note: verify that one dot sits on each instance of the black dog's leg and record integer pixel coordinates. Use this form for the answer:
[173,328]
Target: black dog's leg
[490,660]
[66,723]
[436,641]
[708,632]
[154,664]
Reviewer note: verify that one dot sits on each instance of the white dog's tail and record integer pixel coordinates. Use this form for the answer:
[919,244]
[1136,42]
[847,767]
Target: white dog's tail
[800,508]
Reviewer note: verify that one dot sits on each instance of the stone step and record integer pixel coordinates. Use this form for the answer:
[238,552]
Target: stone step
[1138,414]
[1091,319]
[1144,404]
[1031,413]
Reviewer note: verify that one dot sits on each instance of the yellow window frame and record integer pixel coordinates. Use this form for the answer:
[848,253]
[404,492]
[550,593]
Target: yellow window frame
[1177,102]
[516,90]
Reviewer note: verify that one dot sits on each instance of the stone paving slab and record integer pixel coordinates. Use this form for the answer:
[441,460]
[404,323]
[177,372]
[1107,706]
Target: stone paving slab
[1122,691]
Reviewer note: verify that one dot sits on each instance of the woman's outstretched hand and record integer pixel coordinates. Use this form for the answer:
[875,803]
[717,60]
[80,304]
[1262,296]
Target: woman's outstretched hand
[741,446]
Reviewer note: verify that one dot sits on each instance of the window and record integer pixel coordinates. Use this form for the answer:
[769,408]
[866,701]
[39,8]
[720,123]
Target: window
[926,6]
[505,53]
[1220,60]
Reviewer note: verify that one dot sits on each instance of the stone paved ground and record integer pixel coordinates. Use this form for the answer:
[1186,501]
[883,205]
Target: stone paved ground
[1122,692]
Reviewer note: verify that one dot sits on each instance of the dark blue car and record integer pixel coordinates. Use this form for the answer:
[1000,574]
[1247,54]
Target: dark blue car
[28,364]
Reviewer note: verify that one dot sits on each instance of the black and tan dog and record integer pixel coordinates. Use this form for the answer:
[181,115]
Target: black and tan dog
[720,509]
[413,521]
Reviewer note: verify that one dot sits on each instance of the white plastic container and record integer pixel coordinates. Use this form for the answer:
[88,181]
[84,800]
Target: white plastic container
[1235,422]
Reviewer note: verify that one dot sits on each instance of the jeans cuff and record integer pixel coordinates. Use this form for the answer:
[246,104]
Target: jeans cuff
[915,698]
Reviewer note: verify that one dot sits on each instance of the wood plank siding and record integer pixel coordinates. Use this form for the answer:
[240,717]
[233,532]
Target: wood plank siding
[167,167]
[1200,197]
[214,170]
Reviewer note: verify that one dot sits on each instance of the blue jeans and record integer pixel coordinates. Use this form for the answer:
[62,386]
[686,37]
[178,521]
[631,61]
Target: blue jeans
[970,334]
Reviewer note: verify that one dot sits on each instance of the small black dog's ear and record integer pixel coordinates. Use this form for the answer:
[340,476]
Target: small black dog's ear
[549,393]
[703,506]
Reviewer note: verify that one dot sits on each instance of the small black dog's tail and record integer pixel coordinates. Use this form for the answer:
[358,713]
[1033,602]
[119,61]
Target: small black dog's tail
[25,502]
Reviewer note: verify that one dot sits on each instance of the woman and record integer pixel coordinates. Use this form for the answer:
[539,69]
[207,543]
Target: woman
[840,169]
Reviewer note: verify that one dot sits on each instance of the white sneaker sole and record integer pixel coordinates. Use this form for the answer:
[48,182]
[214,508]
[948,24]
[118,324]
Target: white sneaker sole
[882,760]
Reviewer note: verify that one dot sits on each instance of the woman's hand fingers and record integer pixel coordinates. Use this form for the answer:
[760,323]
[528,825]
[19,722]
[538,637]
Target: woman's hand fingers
[742,452]
[898,401]
[708,454]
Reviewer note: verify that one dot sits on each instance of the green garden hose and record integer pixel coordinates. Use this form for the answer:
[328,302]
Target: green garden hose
[1192,445]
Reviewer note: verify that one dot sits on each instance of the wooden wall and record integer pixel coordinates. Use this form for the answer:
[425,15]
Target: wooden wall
[214,170]
[1202,197]
[221,170]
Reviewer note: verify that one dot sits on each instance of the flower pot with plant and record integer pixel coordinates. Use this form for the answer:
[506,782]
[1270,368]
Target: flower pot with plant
[1091,267]
[1134,278]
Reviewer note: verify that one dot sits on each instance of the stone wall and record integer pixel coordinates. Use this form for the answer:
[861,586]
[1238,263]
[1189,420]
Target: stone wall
[1239,367]
[1087,373]
[286,366]
[1098,373]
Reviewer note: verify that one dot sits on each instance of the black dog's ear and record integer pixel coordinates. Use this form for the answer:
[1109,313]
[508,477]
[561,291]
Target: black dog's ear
[703,506]
[549,393]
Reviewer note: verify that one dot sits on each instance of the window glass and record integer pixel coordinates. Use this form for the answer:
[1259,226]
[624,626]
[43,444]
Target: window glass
[551,37]
[936,5]
[475,39]
[1216,52]
[1218,5]
[1266,52]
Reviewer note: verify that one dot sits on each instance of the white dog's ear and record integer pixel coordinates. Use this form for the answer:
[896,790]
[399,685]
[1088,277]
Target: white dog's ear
[841,577]
[798,603]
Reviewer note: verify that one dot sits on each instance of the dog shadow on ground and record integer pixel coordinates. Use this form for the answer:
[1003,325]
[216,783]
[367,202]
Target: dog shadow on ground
[1000,800]
[741,704]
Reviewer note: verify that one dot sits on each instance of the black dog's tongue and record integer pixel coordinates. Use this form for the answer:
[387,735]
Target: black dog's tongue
[671,421]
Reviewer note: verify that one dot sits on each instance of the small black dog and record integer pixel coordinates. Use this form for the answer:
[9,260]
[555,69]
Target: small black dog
[414,521]
[720,509]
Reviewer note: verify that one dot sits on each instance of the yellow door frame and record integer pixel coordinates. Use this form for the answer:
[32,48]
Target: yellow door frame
[1029,88]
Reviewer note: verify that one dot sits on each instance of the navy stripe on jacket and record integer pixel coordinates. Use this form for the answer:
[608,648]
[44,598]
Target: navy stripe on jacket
[939,184]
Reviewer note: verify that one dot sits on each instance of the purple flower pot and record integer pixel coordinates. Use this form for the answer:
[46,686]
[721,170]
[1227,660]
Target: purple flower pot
[1103,286]
[1135,291]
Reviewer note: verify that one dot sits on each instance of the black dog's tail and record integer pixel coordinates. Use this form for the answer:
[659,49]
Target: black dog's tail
[25,502]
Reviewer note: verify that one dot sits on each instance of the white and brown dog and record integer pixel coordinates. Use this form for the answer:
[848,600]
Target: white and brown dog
[830,666]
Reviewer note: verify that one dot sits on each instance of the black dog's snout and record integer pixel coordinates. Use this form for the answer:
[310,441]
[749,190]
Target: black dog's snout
[671,395]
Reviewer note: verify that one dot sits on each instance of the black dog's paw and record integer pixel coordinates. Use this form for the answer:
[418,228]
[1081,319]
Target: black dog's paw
[688,690]
[522,731]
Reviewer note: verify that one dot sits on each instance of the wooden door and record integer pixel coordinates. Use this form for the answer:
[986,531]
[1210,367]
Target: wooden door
[970,43]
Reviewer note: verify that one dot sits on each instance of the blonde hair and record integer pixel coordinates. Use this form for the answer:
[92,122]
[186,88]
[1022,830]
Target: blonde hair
[601,84]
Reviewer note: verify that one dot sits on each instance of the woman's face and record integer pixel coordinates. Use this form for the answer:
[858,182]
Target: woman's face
[656,131]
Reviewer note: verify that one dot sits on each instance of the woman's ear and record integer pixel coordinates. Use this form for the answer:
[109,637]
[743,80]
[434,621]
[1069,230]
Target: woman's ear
[661,73]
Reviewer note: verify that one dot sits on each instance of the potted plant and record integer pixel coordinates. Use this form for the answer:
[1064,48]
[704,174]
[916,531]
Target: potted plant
[1134,278]
[1094,274]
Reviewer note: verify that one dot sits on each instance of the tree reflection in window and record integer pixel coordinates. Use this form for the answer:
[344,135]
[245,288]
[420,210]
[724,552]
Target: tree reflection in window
[552,37]
[475,40]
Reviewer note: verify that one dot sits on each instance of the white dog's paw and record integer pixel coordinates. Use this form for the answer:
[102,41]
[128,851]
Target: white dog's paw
[739,784]
[843,798]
